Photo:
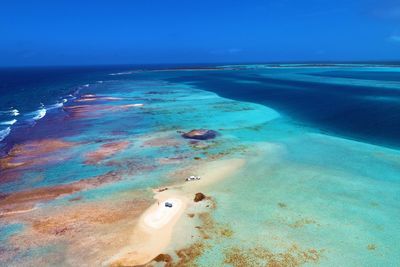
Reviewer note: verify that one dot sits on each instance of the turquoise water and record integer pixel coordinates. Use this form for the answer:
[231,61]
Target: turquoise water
[315,192]
[320,186]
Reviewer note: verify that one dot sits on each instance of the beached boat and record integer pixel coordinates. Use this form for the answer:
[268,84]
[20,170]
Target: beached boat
[193,178]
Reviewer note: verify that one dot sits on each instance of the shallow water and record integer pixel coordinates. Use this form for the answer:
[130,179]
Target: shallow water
[304,192]
[308,195]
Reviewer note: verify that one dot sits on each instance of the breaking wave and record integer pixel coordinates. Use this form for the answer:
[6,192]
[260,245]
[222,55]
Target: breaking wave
[4,133]
[11,122]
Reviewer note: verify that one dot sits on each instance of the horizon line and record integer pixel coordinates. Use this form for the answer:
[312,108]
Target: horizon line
[320,62]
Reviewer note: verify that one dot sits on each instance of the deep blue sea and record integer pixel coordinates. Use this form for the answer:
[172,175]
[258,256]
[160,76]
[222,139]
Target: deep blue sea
[356,101]
[29,94]
[365,112]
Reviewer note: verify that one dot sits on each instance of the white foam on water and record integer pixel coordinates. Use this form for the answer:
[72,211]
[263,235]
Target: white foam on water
[11,122]
[122,73]
[40,114]
[55,106]
[12,112]
[4,133]
[70,97]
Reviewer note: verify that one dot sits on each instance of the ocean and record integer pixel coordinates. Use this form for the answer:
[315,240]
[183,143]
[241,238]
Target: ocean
[83,151]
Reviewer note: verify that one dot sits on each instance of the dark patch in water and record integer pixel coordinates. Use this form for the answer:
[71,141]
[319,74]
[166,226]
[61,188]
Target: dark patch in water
[27,199]
[200,134]
[32,155]
[282,205]
[259,256]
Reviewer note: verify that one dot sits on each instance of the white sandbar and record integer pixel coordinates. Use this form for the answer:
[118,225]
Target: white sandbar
[161,215]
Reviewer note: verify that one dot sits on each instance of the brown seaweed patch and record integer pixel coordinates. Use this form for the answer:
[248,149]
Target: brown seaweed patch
[33,153]
[207,224]
[282,205]
[371,247]
[188,256]
[198,145]
[185,256]
[234,150]
[226,232]
[105,151]
[75,198]
[92,111]
[259,256]
[213,203]
[210,229]
[199,197]
[9,176]
[25,200]
[88,214]
[164,258]
[90,232]
[84,111]
[59,224]
[162,189]
[302,222]
[7,162]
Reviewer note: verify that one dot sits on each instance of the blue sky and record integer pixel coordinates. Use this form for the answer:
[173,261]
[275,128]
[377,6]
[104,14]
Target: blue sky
[193,31]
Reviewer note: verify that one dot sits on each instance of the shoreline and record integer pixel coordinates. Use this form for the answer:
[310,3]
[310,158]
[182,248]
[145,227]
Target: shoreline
[156,236]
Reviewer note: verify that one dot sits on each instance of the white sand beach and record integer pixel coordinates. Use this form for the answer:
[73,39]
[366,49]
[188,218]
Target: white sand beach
[155,227]
[160,215]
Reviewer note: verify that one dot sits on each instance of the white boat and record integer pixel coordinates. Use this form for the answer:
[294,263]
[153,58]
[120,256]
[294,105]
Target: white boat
[193,178]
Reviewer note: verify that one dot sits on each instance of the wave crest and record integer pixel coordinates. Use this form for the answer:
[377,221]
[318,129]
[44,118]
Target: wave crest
[40,114]
[4,133]
[11,122]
